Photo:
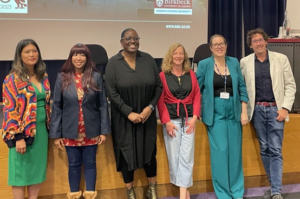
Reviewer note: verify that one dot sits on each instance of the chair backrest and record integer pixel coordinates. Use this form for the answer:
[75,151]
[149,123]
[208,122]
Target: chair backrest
[99,56]
[202,52]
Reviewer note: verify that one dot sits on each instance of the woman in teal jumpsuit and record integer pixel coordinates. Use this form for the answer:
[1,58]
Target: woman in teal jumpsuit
[224,111]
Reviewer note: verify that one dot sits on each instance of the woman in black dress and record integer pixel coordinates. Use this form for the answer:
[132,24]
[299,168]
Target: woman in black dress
[133,87]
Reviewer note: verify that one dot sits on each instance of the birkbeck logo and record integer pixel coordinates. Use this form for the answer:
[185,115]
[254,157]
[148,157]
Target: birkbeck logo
[160,3]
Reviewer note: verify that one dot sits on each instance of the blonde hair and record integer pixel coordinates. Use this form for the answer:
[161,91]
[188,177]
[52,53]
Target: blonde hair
[167,63]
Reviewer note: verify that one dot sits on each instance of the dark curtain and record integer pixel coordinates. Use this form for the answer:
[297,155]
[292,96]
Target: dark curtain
[225,18]
[265,14]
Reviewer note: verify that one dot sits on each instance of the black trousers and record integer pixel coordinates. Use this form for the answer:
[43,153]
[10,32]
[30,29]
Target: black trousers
[150,168]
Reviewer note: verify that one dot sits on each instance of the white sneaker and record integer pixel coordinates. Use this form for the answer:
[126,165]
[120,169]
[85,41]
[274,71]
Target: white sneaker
[277,196]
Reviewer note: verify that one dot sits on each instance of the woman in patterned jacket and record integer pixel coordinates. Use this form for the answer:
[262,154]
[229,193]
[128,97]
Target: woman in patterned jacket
[26,100]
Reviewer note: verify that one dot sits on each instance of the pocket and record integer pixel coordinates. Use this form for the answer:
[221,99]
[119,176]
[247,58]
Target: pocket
[274,108]
[273,112]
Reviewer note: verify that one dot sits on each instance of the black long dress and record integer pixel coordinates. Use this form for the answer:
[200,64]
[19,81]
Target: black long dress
[131,90]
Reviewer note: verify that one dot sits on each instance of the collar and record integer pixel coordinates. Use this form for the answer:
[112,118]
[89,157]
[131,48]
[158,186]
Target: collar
[267,57]
[120,56]
[226,58]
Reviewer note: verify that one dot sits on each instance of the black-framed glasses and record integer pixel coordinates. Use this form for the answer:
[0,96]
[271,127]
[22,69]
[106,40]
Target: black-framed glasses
[131,38]
[218,44]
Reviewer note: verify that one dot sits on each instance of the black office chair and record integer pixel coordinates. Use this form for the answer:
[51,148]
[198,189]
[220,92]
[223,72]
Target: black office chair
[202,52]
[99,57]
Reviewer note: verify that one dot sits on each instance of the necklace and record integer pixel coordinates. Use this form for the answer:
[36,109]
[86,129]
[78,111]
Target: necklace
[32,74]
[178,77]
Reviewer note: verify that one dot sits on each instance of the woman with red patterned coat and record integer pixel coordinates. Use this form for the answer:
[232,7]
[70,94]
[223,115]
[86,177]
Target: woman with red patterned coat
[26,100]
[80,119]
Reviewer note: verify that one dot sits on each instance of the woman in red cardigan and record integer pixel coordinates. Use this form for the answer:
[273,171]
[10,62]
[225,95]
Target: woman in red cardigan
[179,109]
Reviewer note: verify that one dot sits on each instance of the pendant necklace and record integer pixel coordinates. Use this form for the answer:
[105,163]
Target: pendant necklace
[178,77]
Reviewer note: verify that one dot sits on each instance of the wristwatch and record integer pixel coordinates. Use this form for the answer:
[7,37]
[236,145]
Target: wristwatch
[152,107]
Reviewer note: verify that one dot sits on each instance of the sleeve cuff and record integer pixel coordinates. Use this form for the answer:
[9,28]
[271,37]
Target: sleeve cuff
[126,110]
[286,109]
[19,136]
[244,99]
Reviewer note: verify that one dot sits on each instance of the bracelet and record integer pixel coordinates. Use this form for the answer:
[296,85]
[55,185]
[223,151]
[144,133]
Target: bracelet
[152,107]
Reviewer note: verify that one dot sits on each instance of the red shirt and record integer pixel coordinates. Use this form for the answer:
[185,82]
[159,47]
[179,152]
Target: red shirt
[82,140]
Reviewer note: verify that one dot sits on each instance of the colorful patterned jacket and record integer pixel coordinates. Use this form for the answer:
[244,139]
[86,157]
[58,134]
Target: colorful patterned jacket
[19,109]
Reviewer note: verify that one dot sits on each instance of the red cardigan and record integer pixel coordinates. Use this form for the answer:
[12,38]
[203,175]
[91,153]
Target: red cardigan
[167,97]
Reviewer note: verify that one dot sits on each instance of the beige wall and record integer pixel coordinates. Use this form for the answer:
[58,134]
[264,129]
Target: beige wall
[293,7]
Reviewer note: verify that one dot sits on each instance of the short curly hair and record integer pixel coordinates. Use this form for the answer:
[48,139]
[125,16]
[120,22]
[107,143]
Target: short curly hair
[256,31]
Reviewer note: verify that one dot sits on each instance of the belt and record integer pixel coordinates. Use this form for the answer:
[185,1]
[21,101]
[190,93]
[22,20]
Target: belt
[266,103]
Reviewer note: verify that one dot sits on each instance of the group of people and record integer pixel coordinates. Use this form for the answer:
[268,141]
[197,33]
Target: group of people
[224,93]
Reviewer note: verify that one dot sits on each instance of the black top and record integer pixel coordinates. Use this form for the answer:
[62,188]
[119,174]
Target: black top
[219,83]
[179,91]
[131,90]
[263,82]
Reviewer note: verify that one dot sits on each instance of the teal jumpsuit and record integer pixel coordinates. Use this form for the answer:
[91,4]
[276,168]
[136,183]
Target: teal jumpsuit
[222,118]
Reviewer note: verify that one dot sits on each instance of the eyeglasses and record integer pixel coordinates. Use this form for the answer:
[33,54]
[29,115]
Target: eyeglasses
[218,44]
[130,38]
[257,40]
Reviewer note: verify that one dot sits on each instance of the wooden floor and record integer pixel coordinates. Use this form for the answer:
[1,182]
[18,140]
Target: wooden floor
[166,190]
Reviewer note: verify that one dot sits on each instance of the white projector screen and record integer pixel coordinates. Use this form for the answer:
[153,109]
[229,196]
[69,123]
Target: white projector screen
[56,25]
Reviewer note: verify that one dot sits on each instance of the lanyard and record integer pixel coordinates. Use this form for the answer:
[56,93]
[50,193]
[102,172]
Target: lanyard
[225,76]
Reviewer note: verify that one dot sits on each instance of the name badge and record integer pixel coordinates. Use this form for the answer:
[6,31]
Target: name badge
[224,95]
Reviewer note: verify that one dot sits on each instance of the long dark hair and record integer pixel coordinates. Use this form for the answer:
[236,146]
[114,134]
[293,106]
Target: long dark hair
[20,69]
[68,69]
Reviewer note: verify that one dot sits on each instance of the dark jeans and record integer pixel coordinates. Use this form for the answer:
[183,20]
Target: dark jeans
[76,156]
[270,135]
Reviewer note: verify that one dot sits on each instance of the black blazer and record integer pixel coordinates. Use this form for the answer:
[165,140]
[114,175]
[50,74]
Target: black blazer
[65,111]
